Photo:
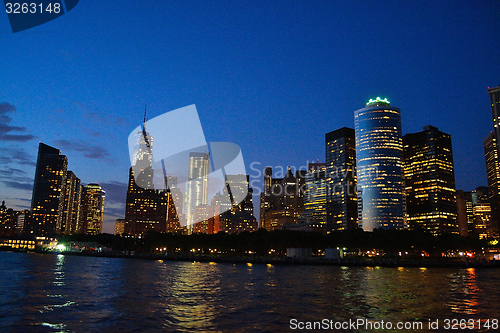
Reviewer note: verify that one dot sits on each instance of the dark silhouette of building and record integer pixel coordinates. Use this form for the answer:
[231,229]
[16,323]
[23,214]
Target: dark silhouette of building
[281,202]
[430,181]
[341,194]
[8,220]
[48,190]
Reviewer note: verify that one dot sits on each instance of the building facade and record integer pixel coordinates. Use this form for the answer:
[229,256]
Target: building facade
[430,181]
[493,174]
[495,109]
[379,167]
[48,190]
[147,209]
[315,195]
[282,201]
[197,185]
[71,208]
[93,209]
[341,195]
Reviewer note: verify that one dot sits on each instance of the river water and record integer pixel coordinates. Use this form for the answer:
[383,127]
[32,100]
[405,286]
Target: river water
[61,293]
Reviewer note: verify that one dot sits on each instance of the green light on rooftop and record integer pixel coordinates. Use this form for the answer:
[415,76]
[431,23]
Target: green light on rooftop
[378,100]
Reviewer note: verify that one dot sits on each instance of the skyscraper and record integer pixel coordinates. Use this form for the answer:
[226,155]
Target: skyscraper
[430,181]
[197,185]
[482,212]
[465,213]
[379,170]
[282,201]
[71,204]
[493,174]
[46,202]
[315,194]
[93,209]
[341,195]
[146,208]
[495,109]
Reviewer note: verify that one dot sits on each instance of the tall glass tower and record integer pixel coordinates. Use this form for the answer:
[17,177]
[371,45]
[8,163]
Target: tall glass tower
[47,199]
[197,185]
[341,193]
[495,109]
[379,150]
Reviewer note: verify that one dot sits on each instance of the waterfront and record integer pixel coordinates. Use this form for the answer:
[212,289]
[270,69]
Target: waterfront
[61,293]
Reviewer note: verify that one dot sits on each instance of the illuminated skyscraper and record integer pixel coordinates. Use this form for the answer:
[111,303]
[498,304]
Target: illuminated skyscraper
[119,226]
[71,205]
[197,185]
[146,208]
[93,209]
[495,109]
[465,213]
[379,150]
[341,193]
[46,202]
[430,181]
[493,174]
[315,194]
[482,212]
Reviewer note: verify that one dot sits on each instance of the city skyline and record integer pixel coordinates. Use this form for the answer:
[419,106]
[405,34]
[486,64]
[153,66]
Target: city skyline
[286,73]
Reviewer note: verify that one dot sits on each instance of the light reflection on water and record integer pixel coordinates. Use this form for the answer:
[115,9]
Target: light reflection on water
[56,293]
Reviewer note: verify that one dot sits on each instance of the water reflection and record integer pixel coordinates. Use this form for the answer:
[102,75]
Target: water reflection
[463,292]
[49,293]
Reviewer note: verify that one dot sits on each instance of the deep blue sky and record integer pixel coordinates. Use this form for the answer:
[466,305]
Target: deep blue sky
[270,76]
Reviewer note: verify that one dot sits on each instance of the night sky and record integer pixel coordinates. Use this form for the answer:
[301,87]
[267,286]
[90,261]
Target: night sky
[271,76]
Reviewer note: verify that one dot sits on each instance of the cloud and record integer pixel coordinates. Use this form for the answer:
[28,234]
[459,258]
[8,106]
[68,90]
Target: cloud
[5,109]
[14,137]
[16,155]
[114,212]
[11,172]
[116,192]
[92,133]
[19,185]
[88,151]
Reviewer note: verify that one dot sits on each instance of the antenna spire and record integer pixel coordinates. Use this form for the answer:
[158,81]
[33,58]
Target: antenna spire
[144,134]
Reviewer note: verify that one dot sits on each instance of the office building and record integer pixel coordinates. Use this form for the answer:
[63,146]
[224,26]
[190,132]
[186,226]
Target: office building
[493,174]
[465,213]
[146,208]
[282,201]
[430,181]
[379,167]
[119,226]
[8,220]
[93,209]
[315,194]
[197,185]
[341,195]
[72,192]
[46,202]
[495,110]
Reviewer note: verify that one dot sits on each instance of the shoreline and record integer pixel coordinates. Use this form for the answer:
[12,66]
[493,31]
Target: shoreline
[349,262]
